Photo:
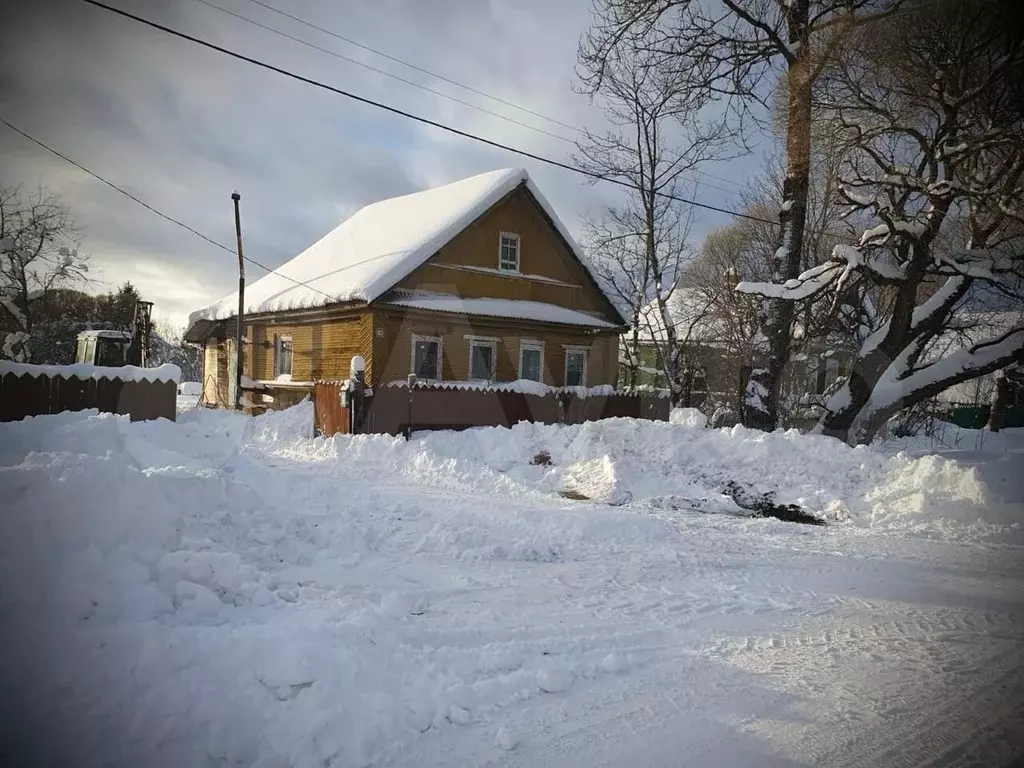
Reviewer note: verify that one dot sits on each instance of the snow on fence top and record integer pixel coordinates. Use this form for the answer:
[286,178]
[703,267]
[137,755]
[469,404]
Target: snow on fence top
[166,372]
[379,245]
[522,386]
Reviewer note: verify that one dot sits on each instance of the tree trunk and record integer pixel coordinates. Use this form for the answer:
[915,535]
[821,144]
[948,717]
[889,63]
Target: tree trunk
[634,354]
[1000,400]
[761,405]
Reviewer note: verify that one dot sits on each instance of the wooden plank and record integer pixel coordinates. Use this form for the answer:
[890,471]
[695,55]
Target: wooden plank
[542,251]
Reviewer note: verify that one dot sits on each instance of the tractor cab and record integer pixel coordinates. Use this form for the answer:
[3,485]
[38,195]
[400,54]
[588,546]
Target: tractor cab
[108,348]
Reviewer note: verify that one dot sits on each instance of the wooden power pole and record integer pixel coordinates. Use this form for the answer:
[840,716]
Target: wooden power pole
[241,305]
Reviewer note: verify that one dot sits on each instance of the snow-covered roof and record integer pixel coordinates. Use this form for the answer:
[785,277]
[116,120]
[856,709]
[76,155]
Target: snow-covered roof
[520,310]
[379,245]
[691,313]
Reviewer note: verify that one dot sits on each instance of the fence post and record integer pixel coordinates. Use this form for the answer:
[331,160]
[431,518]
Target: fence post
[357,385]
[411,381]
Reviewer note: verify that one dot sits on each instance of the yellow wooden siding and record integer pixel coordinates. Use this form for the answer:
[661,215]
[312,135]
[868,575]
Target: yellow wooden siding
[321,349]
[541,253]
[395,348]
[366,333]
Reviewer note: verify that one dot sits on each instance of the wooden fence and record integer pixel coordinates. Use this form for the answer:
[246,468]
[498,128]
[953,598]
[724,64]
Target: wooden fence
[391,410]
[27,395]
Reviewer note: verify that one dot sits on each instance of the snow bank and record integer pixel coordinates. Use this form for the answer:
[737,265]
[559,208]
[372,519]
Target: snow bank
[180,595]
[688,417]
[665,466]
[228,590]
[166,372]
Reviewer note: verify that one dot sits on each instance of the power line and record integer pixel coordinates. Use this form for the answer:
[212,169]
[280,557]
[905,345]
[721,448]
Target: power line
[410,115]
[469,88]
[404,63]
[383,72]
[149,207]
[422,87]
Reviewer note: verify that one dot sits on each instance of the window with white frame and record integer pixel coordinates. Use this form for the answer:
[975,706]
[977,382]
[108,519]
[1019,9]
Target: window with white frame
[482,356]
[531,356]
[508,252]
[282,356]
[426,357]
[575,367]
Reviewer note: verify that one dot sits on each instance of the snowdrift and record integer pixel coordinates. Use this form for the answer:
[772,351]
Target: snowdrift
[231,590]
[658,466]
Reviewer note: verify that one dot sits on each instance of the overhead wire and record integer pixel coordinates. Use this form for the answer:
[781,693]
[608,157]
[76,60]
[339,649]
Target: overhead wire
[383,72]
[409,115]
[454,82]
[426,88]
[410,65]
[158,212]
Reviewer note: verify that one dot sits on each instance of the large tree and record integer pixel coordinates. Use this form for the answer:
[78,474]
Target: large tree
[929,107]
[734,50]
[39,251]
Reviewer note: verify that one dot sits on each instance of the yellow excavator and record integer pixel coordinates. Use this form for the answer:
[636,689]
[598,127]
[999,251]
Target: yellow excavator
[117,348]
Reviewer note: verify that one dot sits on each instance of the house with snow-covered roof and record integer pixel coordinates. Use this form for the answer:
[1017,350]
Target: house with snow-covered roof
[715,331]
[477,280]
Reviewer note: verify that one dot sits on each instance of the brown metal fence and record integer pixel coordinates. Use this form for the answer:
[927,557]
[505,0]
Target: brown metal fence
[391,410]
[26,395]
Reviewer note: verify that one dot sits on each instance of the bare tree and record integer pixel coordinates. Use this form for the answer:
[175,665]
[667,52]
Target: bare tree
[657,137]
[730,49]
[38,252]
[741,249]
[928,108]
[168,346]
[624,270]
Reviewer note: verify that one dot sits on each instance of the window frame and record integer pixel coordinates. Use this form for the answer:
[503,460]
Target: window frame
[565,366]
[538,346]
[439,340]
[279,340]
[492,344]
[514,237]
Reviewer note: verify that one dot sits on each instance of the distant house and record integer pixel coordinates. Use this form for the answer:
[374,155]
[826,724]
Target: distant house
[475,280]
[715,334]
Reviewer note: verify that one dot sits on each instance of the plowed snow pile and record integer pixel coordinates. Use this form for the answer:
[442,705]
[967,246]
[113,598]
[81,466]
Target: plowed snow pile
[653,465]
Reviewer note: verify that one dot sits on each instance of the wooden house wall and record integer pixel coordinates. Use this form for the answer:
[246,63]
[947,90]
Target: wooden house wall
[321,348]
[542,253]
[395,347]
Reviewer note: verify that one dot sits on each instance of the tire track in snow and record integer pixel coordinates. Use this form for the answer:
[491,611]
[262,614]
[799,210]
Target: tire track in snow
[906,623]
[943,736]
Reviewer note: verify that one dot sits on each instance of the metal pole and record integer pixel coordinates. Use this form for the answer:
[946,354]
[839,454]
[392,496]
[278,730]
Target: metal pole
[241,305]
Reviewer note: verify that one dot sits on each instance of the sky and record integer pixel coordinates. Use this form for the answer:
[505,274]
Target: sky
[181,126]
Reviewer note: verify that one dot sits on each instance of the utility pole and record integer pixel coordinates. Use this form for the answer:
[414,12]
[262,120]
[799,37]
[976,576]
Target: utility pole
[241,305]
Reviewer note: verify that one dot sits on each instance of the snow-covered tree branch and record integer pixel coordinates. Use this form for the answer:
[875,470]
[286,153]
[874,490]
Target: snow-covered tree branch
[935,144]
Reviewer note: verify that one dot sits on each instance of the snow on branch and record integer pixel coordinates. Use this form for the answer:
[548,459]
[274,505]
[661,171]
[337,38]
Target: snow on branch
[961,365]
[808,284]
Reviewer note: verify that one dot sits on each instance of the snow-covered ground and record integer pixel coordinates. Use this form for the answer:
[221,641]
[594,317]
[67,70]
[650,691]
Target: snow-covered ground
[225,590]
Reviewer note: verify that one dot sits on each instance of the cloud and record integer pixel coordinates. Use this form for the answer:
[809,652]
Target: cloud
[181,126]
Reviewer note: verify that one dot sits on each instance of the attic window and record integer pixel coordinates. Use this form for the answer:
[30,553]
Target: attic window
[508,252]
